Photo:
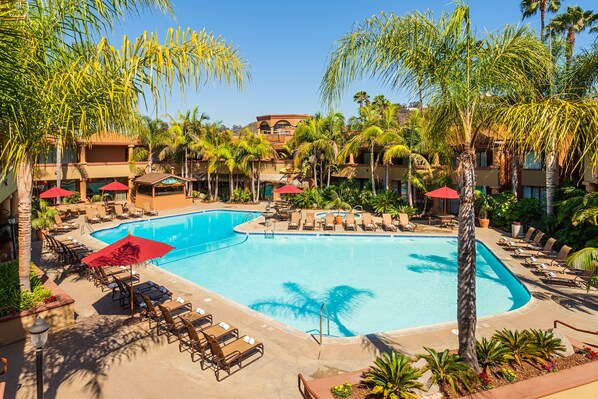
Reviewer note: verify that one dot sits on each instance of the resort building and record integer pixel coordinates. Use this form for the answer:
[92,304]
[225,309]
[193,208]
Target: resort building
[590,177]
[279,128]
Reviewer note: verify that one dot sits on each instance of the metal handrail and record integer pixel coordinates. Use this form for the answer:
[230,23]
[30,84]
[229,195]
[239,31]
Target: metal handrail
[574,328]
[84,225]
[322,308]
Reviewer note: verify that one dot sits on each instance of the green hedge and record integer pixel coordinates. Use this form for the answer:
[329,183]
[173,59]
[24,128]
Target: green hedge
[10,293]
[506,209]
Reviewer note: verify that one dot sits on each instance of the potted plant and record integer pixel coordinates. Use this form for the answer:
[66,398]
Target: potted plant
[484,207]
[42,217]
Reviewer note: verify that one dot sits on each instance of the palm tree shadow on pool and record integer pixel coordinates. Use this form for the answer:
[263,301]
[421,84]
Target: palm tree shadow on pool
[341,302]
[443,264]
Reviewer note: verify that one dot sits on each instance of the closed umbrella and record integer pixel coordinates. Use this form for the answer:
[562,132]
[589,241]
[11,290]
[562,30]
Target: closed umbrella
[127,252]
[444,193]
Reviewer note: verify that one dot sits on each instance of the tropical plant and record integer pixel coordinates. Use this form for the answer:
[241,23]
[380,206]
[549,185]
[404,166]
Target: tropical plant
[241,195]
[545,344]
[369,138]
[586,259]
[153,133]
[336,202]
[409,210]
[508,374]
[482,204]
[253,148]
[385,202]
[573,20]
[518,343]
[342,391]
[73,198]
[448,369]
[491,353]
[461,70]
[362,98]
[11,296]
[531,7]
[42,216]
[393,377]
[60,82]
[308,199]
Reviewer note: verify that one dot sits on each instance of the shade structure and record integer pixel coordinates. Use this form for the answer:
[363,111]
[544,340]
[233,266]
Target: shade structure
[288,189]
[127,252]
[56,192]
[443,192]
[115,186]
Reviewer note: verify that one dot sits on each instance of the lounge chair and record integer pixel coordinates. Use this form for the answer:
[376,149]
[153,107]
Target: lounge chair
[91,216]
[329,222]
[405,224]
[573,280]
[223,357]
[64,225]
[527,239]
[120,213]
[125,289]
[133,211]
[559,260]
[535,244]
[148,210]
[174,326]
[102,213]
[366,222]
[387,223]
[547,250]
[310,221]
[350,222]
[197,342]
[295,221]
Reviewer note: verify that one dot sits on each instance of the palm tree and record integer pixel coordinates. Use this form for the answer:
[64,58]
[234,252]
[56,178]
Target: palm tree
[368,138]
[86,86]
[572,21]
[154,134]
[255,148]
[459,75]
[380,103]
[531,7]
[361,97]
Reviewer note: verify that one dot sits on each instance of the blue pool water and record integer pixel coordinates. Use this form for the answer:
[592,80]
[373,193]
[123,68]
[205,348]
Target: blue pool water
[369,284]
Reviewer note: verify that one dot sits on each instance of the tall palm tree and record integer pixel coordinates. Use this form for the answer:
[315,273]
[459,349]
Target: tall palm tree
[369,138]
[462,70]
[225,155]
[572,21]
[531,7]
[255,148]
[153,132]
[85,85]
[362,98]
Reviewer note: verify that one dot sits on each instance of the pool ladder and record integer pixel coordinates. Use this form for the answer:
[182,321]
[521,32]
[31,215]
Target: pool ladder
[322,309]
[88,226]
[269,234]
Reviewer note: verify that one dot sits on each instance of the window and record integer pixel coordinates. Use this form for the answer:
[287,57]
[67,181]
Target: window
[532,161]
[536,192]
[482,189]
[481,159]
[69,155]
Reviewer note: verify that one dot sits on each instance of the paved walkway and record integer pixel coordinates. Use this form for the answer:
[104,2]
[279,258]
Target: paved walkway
[102,357]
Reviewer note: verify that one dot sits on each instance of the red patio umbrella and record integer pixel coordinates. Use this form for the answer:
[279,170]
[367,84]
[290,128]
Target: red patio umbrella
[56,192]
[445,193]
[115,186]
[127,252]
[288,189]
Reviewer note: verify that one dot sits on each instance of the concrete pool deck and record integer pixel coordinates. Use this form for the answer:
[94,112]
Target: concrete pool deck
[101,357]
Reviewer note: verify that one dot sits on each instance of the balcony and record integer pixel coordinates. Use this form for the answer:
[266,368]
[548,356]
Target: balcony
[487,177]
[92,170]
[536,178]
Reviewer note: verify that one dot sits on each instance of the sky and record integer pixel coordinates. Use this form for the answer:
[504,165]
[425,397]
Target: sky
[286,44]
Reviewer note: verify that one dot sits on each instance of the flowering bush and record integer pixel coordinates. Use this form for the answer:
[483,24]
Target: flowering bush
[342,391]
[550,367]
[485,380]
[589,353]
[508,374]
[49,299]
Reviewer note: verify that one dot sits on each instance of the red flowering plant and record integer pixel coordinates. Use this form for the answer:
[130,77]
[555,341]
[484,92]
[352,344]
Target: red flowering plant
[49,299]
[550,367]
[485,380]
[589,353]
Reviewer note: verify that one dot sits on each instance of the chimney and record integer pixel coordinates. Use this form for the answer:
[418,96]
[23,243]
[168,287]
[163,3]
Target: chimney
[172,170]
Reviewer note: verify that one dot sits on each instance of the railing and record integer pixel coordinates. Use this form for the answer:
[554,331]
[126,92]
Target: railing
[201,249]
[556,322]
[88,226]
[322,308]
[306,393]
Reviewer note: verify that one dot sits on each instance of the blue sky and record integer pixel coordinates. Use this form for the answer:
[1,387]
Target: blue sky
[287,43]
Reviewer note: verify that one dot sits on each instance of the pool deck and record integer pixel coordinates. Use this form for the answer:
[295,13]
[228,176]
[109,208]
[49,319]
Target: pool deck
[102,357]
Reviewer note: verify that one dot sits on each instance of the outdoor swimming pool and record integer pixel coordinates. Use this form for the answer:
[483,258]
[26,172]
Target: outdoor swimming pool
[369,284]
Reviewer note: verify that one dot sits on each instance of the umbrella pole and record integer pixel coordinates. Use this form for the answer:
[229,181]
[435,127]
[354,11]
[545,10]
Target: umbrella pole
[131,297]
[445,206]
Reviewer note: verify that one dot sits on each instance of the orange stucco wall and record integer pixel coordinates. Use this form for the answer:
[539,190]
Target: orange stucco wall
[163,202]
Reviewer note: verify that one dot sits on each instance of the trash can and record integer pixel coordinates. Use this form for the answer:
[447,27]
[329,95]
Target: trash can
[516,229]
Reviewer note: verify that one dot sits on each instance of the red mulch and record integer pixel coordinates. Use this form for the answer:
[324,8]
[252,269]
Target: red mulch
[523,372]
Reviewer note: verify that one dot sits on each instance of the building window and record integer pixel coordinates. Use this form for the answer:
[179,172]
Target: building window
[482,189]
[532,161]
[265,127]
[481,159]
[282,127]
[536,192]
[69,155]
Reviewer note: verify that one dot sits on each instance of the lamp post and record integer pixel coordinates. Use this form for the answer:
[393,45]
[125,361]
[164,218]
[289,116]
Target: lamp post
[12,221]
[39,337]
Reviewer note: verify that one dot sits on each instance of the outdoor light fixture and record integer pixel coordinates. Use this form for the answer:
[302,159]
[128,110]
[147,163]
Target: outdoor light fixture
[11,222]
[39,337]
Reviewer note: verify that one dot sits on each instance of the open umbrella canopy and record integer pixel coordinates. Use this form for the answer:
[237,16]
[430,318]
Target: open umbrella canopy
[56,192]
[127,251]
[443,192]
[115,186]
[288,189]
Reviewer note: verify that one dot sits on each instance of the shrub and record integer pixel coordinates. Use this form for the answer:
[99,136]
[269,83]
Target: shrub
[10,292]
[385,202]
[485,380]
[310,198]
[241,195]
[195,194]
[505,209]
[42,217]
[392,376]
[409,210]
[73,198]
[448,369]
[491,353]
[545,344]
[519,344]
[342,391]
[508,374]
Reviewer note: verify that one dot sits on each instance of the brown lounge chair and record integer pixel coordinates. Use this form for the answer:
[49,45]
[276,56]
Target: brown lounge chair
[405,224]
[535,244]
[350,222]
[120,213]
[197,342]
[546,251]
[310,221]
[329,222]
[64,225]
[91,216]
[387,223]
[102,213]
[133,211]
[366,222]
[295,221]
[148,210]
[571,279]
[174,326]
[223,357]
[549,261]
[527,239]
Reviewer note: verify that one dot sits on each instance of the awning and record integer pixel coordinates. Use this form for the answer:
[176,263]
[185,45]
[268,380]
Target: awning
[273,177]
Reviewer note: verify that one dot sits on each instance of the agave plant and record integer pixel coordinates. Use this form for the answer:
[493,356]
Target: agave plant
[385,202]
[545,344]
[492,353]
[42,216]
[518,343]
[448,369]
[393,377]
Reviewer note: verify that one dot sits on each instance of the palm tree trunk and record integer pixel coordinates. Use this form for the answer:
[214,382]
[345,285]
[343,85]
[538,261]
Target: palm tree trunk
[24,185]
[328,180]
[315,170]
[514,175]
[542,17]
[386,172]
[58,166]
[231,184]
[372,170]
[569,47]
[466,296]
[409,195]
[209,183]
[150,156]
[550,175]
[216,187]
[253,182]
[259,167]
